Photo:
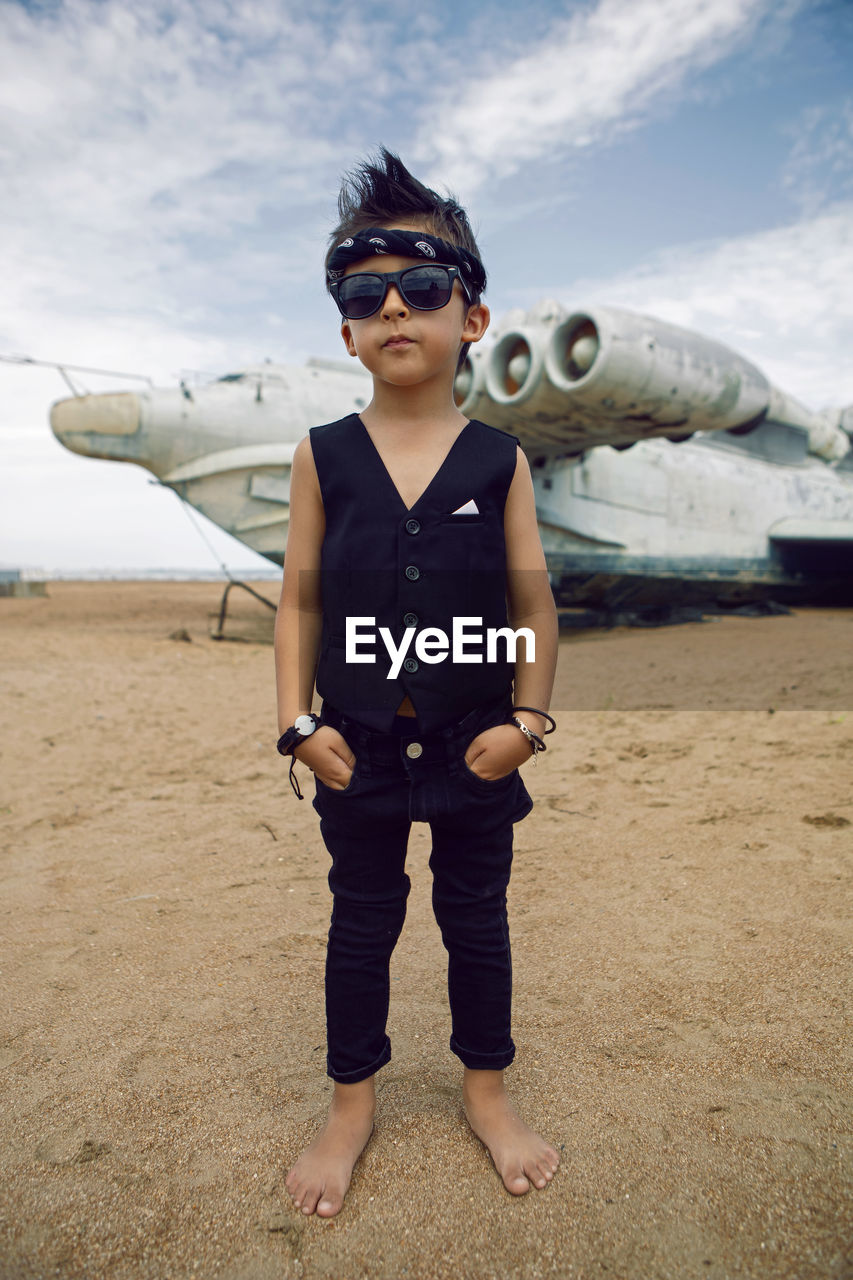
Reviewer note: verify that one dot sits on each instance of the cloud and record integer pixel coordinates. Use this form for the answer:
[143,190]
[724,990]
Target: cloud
[596,73]
[169,173]
[170,160]
[782,297]
[820,165]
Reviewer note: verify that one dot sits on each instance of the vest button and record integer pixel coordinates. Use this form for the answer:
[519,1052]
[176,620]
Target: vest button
[411,664]
[412,572]
[410,619]
[413,750]
[413,526]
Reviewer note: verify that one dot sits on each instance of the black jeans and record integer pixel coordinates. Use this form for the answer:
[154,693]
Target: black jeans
[366,830]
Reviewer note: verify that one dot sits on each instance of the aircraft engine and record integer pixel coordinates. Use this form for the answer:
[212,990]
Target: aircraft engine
[607,376]
[515,393]
[652,373]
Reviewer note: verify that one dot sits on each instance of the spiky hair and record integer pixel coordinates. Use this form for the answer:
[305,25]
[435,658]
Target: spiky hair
[380,191]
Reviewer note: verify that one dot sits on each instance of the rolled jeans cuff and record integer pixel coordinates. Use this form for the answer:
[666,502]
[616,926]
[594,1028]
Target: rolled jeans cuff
[483,1061]
[360,1073]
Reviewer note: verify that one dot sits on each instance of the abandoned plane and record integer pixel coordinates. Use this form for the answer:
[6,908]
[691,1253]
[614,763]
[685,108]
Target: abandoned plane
[666,467]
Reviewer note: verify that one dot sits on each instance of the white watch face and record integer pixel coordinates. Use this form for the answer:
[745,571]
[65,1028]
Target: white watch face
[304,725]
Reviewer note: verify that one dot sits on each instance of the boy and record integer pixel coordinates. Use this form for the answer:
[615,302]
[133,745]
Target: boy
[401,518]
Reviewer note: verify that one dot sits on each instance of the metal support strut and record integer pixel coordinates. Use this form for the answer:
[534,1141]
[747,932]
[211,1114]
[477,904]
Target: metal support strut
[219,633]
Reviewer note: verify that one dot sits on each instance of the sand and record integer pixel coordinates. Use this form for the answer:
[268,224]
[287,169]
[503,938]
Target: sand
[680,913]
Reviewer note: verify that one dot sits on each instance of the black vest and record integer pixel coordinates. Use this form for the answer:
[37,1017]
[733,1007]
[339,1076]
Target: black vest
[412,568]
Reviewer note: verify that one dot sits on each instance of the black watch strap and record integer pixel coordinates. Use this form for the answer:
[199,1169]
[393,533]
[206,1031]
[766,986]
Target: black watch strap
[303,727]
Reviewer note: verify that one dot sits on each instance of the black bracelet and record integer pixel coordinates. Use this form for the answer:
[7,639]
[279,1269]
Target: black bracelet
[544,714]
[536,743]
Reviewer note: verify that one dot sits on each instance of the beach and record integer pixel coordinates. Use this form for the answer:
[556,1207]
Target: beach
[680,915]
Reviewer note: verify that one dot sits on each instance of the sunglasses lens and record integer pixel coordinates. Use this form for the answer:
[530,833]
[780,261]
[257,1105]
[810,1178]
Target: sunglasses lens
[424,288]
[427,288]
[360,295]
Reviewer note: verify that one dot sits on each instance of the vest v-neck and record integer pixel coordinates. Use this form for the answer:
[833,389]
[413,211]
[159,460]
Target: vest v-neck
[387,473]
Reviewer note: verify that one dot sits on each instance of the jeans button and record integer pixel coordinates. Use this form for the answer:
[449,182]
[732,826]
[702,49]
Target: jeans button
[413,750]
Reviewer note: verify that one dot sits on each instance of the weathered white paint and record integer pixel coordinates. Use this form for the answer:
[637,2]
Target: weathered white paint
[564,384]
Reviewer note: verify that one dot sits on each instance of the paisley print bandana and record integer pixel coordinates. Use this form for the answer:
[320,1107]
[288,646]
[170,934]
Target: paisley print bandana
[406,244]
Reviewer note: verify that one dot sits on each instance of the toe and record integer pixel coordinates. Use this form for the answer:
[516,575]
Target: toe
[329,1205]
[539,1173]
[308,1198]
[516,1182]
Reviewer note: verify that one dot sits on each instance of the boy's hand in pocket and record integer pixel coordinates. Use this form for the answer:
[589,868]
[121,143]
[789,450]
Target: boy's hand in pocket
[328,755]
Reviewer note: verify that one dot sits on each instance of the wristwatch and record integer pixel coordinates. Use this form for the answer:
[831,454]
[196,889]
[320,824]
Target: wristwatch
[302,728]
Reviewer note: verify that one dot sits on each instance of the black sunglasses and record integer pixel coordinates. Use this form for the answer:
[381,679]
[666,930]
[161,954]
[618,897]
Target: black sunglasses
[426,288]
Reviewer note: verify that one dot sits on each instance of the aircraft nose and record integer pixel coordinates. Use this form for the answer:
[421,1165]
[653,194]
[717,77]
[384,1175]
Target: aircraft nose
[76,419]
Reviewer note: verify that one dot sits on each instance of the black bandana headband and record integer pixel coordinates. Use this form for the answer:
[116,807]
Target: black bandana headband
[405,244]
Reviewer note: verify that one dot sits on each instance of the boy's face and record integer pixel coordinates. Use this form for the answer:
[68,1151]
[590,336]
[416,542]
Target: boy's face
[404,346]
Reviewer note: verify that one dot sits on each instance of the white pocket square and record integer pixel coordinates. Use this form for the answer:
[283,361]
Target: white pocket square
[468,508]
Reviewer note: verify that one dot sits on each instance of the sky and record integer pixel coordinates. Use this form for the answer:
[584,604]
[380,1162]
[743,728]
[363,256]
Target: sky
[170,173]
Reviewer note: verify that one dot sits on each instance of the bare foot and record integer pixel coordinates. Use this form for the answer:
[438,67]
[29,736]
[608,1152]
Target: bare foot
[520,1156]
[319,1180]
